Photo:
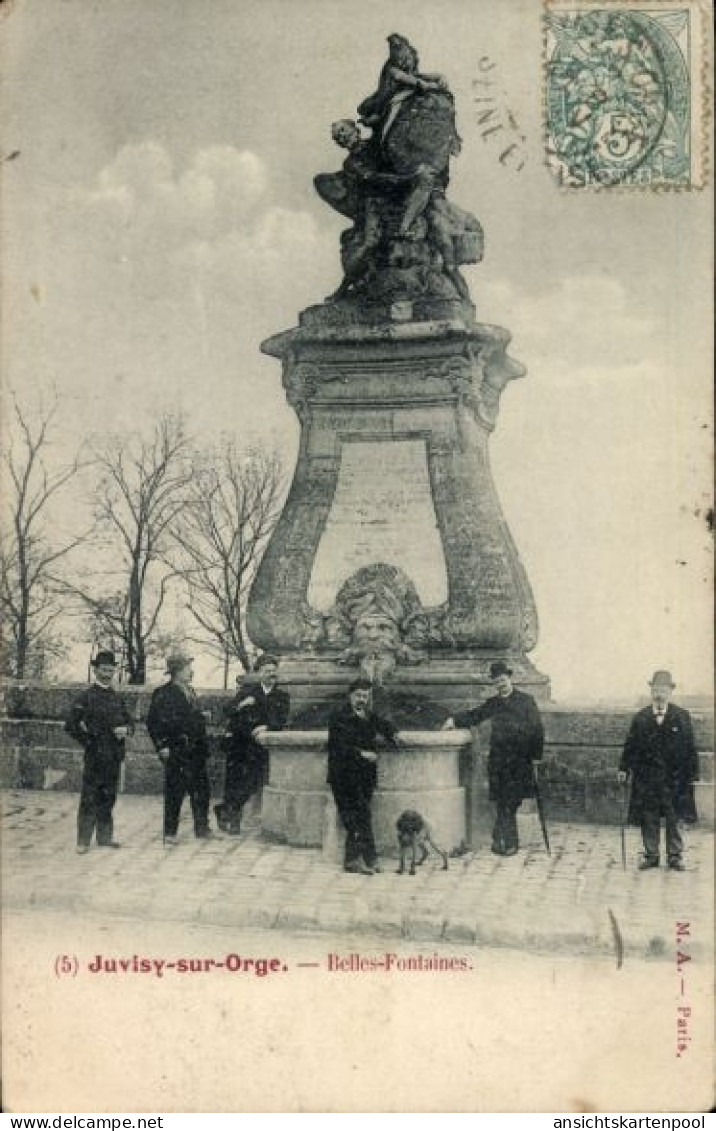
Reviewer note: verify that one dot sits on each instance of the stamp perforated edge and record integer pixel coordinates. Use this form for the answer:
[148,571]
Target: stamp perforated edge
[702,99]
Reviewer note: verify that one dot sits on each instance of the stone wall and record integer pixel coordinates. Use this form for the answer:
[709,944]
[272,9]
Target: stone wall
[582,753]
[579,772]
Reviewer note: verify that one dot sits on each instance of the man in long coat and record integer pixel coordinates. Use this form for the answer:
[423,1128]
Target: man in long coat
[516,743]
[260,706]
[660,756]
[100,721]
[178,730]
[352,772]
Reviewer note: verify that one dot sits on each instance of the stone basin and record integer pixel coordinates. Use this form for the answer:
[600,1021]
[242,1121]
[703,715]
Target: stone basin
[423,774]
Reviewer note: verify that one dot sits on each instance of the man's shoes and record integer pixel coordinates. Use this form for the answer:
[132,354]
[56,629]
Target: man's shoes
[375,867]
[358,868]
[109,844]
[171,841]
[511,851]
[644,865]
[677,866]
[204,834]
[497,849]
[81,849]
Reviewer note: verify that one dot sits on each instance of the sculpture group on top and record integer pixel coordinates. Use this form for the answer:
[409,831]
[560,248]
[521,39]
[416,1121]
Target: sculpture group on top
[408,240]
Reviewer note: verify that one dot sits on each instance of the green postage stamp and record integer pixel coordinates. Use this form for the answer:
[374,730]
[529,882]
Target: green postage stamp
[627,93]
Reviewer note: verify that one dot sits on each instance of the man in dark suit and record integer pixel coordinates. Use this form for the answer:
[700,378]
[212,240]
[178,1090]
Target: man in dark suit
[660,756]
[100,721]
[516,743]
[352,772]
[259,707]
[178,730]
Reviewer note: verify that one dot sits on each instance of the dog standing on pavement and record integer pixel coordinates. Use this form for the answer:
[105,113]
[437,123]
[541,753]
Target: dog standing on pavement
[415,833]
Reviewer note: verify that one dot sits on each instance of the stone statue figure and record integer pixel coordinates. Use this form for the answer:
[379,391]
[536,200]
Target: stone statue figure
[399,78]
[356,192]
[408,239]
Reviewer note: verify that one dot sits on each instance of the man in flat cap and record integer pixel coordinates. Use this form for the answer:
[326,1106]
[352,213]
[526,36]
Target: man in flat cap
[352,772]
[178,730]
[516,743]
[660,757]
[260,705]
[100,721]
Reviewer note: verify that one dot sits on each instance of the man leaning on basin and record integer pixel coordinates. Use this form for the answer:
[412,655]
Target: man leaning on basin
[516,743]
[659,761]
[353,734]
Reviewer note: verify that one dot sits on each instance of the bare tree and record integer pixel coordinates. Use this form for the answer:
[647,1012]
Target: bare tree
[140,495]
[30,600]
[232,508]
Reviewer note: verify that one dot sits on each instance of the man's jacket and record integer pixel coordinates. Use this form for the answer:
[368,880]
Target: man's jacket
[348,734]
[175,722]
[92,719]
[269,710]
[661,756]
[516,742]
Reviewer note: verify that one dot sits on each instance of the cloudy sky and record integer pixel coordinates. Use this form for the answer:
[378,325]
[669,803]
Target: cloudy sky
[160,221]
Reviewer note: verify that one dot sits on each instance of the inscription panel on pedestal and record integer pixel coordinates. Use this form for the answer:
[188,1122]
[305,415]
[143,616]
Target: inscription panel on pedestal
[382,511]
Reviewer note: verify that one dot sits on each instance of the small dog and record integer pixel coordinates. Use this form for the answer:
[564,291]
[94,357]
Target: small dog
[414,832]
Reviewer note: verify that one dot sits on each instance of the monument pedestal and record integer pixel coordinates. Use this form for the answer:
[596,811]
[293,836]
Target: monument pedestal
[392,553]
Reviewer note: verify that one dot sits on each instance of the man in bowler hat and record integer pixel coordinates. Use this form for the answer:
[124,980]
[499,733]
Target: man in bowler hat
[516,743]
[100,721]
[178,730]
[352,772]
[660,757]
[259,706]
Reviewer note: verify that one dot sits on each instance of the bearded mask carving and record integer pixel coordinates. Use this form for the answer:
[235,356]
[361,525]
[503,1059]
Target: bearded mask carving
[379,620]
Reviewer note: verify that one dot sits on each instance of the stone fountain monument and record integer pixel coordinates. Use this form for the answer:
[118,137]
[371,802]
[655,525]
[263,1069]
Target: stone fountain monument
[392,554]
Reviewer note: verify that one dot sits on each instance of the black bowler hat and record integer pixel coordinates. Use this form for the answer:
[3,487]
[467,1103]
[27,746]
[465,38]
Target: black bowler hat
[662,679]
[498,668]
[104,659]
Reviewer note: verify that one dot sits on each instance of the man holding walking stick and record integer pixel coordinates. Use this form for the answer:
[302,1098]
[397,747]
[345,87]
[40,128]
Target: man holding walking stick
[516,743]
[660,759]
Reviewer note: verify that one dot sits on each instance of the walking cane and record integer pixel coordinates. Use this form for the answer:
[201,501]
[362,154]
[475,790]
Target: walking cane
[163,763]
[623,819]
[164,794]
[540,810]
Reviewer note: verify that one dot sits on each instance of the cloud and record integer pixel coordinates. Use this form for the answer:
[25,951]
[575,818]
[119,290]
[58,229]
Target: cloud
[586,325]
[163,280]
[144,212]
[217,193]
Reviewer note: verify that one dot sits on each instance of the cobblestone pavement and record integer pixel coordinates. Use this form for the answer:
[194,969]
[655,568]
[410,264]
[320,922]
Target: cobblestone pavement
[578,901]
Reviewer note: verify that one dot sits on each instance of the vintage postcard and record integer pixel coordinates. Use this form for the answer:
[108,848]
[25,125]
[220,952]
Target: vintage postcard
[356,579]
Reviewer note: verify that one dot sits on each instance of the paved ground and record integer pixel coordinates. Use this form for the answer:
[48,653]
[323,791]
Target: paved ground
[577,901]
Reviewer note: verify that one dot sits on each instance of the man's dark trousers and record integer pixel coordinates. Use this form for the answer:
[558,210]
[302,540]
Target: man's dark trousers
[99,793]
[651,828]
[504,834]
[353,807]
[180,779]
[244,778]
